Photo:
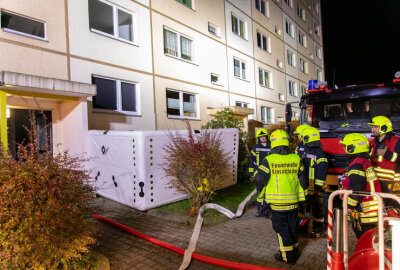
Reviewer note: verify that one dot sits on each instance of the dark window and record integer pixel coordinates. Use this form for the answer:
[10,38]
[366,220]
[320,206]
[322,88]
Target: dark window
[128,93]
[22,24]
[186,2]
[106,97]
[173,103]
[101,17]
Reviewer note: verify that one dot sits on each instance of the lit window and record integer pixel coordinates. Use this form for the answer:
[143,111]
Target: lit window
[292,88]
[239,68]
[267,115]
[116,95]
[181,105]
[21,25]
[178,45]
[264,78]
[239,26]
[110,20]
[291,58]
[289,28]
[263,42]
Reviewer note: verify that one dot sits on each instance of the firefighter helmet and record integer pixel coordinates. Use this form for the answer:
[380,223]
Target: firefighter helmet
[310,134]
[261,132]
[355,143]
[301,128]
[384,124]
[279,138]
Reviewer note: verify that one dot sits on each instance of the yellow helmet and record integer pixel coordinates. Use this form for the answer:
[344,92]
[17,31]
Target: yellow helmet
[279,138]
[261,132]
[301,128]
[310,134]
[384,124]
[355,143]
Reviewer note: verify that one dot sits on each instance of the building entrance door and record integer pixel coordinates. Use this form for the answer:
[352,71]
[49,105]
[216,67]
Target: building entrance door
[19,123]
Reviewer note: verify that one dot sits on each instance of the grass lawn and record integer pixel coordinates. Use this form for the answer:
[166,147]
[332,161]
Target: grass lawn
[229,198]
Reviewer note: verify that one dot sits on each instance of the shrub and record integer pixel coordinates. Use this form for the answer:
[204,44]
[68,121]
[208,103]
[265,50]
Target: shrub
[45,203]
[226,119]
[196,165]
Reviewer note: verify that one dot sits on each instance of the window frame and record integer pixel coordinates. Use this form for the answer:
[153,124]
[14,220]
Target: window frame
[118,89]
[16,32]
[239,19]
[115,24]
[290,55]
[264,115]
[178,45]
[266,7]
[218,31]
[292,90]
[319,75]
[218,82]
[289,26]
[242,104]
[289,3]
[302,39]
[318,52]
[301,12]
[317,29]
[181,106]
[303,90]
[269,74]
[191,4]
[303,65]
[241,62]
[267,42]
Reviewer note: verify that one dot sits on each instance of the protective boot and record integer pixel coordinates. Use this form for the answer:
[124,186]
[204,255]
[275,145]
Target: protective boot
[317,229]
[290,257]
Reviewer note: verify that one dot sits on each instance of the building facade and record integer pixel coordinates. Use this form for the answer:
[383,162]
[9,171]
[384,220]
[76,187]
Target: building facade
[148,64]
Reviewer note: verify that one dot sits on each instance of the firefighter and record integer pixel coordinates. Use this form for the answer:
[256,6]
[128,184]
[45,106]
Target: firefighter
[314,170]
[360,176]
[283,193]
[300,146]
[385,151]
[257,155]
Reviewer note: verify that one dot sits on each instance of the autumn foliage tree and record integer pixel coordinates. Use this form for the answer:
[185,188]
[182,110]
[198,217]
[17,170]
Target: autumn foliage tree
[45,204]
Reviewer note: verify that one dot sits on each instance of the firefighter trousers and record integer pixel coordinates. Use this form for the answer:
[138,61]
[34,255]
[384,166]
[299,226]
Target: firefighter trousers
[284,224]
[315,204]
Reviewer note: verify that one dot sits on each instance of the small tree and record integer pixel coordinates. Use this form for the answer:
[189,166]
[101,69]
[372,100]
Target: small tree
[196,165]
[226,119]
[45,203]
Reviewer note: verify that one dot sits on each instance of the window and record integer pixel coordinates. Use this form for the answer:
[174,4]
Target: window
[303,66]
[178,45]
[303,90]
[215,78]
[212,29]
[291,58]
[319,75]
[263,42]
[242,104]
[292,88]
[181,105]
[187,3]
[267,115]
[21,25]
[262,6]
[302,39]
[239,26]
[288,2]
[318,52]
[317,29]
[301,13]
[110,20]
[264,78]
[239,68]
[316,7]
[289,28]
[116,95]
[281,97]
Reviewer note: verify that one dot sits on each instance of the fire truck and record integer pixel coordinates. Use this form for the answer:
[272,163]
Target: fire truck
[340,111]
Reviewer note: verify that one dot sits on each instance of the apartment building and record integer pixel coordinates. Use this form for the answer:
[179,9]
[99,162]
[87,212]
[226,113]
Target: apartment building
[148,64]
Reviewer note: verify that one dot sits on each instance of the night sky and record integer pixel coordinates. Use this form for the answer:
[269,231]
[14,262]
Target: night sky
[361,41]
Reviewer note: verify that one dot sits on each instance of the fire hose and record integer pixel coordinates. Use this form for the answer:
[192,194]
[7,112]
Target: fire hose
[189,252]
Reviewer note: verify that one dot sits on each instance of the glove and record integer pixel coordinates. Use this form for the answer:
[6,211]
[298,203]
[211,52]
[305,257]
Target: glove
[354,217]
[266,210]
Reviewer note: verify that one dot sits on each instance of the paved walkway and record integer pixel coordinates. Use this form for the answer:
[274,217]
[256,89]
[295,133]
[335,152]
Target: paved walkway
[247,239]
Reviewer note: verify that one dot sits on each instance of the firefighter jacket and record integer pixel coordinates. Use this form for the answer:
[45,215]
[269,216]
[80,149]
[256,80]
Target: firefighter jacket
[300,149]
[361,176]
[282,189]
[314,167]
[387,167]
[257,155]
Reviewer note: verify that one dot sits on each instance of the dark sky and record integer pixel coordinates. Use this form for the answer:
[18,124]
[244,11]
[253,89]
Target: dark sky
[361,40]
